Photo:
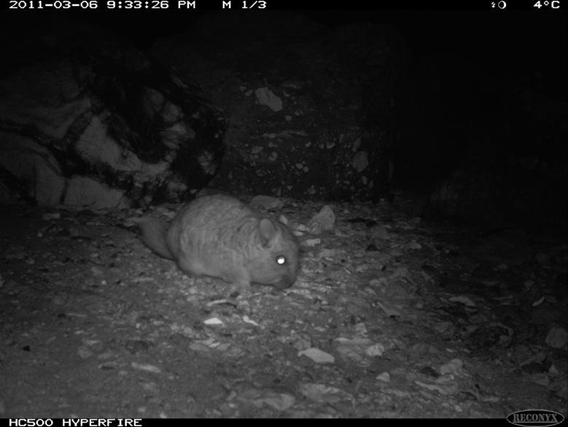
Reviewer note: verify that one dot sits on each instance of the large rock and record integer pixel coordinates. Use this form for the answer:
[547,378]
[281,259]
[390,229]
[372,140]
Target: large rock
[88,120]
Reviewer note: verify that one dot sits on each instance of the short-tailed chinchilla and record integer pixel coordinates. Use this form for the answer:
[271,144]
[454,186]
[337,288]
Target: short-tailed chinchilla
[219,236]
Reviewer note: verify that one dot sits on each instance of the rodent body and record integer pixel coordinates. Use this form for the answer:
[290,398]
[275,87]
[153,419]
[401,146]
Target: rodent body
[219,236]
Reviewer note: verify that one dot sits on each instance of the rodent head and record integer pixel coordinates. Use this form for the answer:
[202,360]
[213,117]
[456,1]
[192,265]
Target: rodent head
[275,259]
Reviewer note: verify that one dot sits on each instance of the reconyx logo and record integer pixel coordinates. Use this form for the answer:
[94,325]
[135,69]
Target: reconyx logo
[535,417]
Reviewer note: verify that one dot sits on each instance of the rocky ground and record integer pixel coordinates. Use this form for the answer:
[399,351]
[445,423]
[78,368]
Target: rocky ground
[390,317]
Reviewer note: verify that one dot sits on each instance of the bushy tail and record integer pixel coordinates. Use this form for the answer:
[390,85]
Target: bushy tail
[154,235]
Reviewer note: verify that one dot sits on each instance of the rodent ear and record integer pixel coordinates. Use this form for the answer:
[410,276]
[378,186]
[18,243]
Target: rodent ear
[283,220]
[267,231]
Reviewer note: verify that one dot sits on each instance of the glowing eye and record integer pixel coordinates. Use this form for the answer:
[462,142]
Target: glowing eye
[281,260]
